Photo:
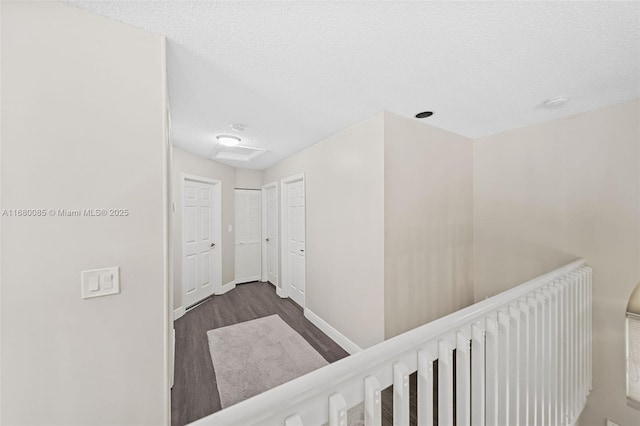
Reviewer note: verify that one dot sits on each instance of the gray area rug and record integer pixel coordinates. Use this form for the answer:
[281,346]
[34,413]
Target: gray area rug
[254,356]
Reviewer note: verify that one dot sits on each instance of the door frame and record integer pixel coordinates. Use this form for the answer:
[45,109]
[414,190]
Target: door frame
[217,226]
[265,248]
[284,231]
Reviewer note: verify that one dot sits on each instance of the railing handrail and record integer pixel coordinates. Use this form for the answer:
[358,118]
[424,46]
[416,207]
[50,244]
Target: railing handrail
[324,379]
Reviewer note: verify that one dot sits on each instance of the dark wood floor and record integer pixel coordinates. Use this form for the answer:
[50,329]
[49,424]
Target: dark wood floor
[195,393]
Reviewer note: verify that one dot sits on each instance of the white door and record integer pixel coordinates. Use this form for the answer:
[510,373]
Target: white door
[248,258]
[270,233]
[200,248]
[295,233]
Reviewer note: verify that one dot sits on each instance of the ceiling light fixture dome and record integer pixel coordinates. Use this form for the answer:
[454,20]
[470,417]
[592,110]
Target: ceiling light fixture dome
[228,140]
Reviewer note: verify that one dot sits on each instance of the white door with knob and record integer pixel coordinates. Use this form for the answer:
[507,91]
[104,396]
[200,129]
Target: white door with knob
[294,238]
[248,256]
[270,233]
[201,257]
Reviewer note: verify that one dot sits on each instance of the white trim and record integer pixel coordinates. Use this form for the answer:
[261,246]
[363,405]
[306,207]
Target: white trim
[342,340]
[186,176]
[227,287]
[179,312]
[167,270]
[293,178]
[281,292]
[172,371]
[240,278]
[217,226]
[265,271]
[283,231]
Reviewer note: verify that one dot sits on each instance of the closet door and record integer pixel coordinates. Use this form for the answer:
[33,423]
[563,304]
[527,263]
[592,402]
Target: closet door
[248,261]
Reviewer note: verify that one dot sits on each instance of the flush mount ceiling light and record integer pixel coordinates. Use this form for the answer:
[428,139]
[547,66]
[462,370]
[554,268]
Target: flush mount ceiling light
[228,140]
[424,114]
[556,102]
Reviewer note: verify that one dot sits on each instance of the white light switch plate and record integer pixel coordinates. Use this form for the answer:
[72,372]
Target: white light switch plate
[100,282]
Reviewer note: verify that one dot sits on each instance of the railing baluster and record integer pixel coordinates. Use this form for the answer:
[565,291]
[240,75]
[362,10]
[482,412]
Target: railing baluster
[576,398]
[492,369]
[585,327]
[566,377]
[445,382]
[571,352]
[515,356]
[561,350]
[543,362]
[525,366]
[550,354]
[590,326]
[576,347]
[534,378]
[581,349]
[337,410]
[425,387]
[585,340]
[553,355]
[372,402]
[504,391]
[463,378]
[400,394]
[478,399]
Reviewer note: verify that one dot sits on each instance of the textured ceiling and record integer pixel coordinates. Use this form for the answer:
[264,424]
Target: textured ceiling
[297,72]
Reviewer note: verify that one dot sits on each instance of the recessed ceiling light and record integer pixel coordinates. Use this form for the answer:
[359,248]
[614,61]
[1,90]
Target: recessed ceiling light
[556,102]
[424,114]
[228,140]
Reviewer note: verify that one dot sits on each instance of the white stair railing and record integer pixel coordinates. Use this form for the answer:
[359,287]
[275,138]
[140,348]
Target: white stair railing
[522,357]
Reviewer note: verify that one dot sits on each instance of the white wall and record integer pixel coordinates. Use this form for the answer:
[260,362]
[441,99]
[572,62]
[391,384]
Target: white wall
[345,228]
[550,193]
[187,163]
[428,216]
[248,179]
[82,127]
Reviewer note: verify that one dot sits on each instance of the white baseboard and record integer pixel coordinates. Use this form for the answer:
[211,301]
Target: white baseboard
[248,279]
[335,335]
[179,312]
[173,356]
[227,287]
[281,292]
[273,284]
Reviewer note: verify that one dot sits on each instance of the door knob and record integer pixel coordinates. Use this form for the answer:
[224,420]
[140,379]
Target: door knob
[213,244]
[301,250]
[267,240]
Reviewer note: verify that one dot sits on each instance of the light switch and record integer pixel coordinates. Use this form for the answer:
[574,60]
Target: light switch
[94,282]
[106,281]
[100,282]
